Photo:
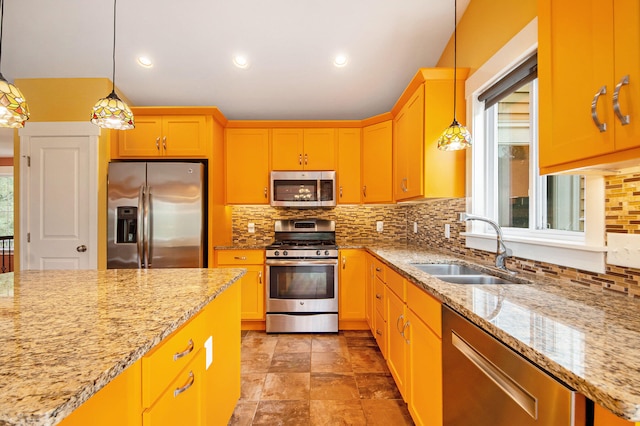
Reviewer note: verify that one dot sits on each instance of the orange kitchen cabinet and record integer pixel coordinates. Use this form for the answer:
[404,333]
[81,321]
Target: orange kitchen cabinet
[170,136]
[380,318]
[423,112]
[377,164]
[585,51]
[396,344]
[349,169]
[351,286]
[303,149]
[246,166]
[253,290]
[604,417]
[369,306]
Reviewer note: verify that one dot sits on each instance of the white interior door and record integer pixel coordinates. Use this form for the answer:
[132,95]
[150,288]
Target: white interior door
[58,196]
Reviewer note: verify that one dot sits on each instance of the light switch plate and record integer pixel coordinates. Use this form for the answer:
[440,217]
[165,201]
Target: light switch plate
[447,231]
[379,226]
[415,227]
[251,227]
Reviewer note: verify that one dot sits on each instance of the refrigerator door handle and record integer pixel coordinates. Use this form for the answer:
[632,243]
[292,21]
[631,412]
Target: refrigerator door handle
[147,227]
[140,230]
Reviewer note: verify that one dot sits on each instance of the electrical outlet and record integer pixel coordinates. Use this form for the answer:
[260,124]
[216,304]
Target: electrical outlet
[379,226]
[251,227]
[447,231]
[415,227]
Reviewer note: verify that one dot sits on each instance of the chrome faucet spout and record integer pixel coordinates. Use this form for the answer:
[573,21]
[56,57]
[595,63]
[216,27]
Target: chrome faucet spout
[501,250]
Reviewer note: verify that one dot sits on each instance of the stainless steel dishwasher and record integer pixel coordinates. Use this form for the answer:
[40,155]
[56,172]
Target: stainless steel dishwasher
[486,383]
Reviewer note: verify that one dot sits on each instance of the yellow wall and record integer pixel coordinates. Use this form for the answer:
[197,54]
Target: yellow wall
[497,20]
[80,94]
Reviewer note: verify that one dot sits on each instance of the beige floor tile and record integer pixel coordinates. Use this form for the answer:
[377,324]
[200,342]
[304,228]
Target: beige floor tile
[336,413]
[386,412]
[291,362]
[251,386]
[377,386]
[329,343]
[286,386]
[289,343]
[243,413]
[366,359]
[335,362]
[333,386]
[259,343]
[255,362]
[282,413]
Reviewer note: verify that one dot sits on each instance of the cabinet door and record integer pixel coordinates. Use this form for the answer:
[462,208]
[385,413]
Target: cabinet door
[184,136]
[409,148]
[377,164]
[253,293]
[424,365]
[352,285]
[247,166]
[397,347]
[319,149]
[287,149]
[349,166]
[143,141]
[575,60]
[369,293]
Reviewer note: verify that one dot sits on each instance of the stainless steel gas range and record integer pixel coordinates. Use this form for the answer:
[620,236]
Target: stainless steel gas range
[302,277]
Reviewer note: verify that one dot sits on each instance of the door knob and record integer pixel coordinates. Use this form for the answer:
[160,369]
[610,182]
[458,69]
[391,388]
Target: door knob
[81,249]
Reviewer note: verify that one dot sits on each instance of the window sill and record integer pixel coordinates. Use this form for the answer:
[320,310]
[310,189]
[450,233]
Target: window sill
[572,255]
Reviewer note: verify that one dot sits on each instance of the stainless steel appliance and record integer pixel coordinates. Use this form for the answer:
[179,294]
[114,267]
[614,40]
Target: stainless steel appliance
[486,383]
[303,189]
[302,277]
[156,215]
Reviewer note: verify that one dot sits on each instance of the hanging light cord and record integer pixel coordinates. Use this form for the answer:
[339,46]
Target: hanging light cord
[114,46]
[455,55]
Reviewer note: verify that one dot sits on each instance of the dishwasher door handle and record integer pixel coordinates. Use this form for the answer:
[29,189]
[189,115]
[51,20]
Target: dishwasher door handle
[509,386]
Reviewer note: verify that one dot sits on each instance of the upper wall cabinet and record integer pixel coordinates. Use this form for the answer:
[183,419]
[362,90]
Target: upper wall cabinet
[165,136]
[349,149]
[424,110]
[303,149]
[246,166]
[589,84]
[377,143]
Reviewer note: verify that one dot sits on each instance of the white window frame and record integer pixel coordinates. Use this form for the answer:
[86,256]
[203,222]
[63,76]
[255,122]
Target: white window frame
[585,251]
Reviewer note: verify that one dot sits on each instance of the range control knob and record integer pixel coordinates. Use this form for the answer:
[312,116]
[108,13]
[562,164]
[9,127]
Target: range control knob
[326,252]
[318,253]
[285,253]
[277,253]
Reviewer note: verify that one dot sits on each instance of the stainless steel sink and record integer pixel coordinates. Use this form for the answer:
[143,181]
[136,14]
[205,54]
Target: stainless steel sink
[459,274]
[446,269]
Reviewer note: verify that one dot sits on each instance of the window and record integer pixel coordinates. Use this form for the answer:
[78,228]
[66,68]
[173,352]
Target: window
[555,219]
[6,202]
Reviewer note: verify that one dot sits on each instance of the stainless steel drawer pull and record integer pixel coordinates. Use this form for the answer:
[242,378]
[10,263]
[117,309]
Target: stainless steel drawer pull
[240,257]
[624,119]
[594,113]
[189,383]
[187,351]
[509,386]
[164,143]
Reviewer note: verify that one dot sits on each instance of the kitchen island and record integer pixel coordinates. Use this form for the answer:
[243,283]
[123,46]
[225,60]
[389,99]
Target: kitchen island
[584,337]
[65,335]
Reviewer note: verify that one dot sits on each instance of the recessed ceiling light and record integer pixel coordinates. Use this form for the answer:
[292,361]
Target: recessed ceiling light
[340,61]
[144,61]
[240,61]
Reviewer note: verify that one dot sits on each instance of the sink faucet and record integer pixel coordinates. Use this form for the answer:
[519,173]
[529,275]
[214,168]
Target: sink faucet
[502,252]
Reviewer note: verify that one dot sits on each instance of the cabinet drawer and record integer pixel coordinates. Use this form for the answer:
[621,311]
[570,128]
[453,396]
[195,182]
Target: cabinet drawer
[379,296]
[240,257]
[396,283]
[181,402]
[380,333]
[160,366]
[426,307]
[380,270]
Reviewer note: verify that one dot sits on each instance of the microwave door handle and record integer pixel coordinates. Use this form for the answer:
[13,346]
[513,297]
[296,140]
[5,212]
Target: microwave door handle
[140,225]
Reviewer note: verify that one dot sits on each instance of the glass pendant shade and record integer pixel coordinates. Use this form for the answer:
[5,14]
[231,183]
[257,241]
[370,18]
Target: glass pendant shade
[112,113]
[455,137]
[13,107]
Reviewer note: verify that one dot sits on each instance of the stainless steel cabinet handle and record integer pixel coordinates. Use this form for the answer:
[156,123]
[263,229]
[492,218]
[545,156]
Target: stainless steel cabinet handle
[404,329]
[364,191]
[300,159]
[344,263]
[265,192]
[509,386]
[398,321]
[186,352]
[81,249]
[178,391]
[340,191]
[403,185]
[164,143]
[158,143]
[594,113]
[624,119]
[259,277]
[240,257]
[306,159]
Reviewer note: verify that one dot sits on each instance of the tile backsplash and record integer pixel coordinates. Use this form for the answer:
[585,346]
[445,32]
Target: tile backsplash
[357,223]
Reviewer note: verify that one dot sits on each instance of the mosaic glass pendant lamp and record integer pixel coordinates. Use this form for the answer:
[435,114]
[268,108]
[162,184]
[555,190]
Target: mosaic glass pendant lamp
[14,110]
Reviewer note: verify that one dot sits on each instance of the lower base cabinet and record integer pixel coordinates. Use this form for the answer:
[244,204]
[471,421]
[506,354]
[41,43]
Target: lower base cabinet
[191,378]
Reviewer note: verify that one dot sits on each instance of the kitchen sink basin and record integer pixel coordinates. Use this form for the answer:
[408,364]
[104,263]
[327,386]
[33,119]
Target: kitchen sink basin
[459,274]
[446,269]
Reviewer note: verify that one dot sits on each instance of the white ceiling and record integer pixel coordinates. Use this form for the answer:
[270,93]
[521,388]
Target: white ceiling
[290,45]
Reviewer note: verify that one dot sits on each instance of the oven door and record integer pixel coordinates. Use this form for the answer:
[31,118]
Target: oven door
[302,285]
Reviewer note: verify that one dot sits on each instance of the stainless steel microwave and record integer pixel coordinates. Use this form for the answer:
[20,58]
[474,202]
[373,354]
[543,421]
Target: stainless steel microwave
[303,189]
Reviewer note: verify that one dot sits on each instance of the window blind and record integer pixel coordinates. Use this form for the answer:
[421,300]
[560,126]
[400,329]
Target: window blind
[519,76]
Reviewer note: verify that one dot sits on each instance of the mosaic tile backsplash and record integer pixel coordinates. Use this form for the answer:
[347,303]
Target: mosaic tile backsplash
[356,224]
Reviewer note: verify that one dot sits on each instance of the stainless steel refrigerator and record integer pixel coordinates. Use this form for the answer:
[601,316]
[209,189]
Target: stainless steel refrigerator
[156,215]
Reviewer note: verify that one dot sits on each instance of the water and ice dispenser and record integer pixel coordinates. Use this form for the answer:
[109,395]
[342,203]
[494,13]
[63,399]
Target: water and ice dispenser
[126,224]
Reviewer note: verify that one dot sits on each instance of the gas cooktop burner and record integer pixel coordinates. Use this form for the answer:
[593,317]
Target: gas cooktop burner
[304,238]
[295,244]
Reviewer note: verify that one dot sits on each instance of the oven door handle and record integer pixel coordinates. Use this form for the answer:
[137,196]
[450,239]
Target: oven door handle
[301,262]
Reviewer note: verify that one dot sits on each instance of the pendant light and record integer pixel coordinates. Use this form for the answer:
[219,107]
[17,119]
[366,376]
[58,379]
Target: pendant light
[13,107]
[456,136]
[111,112]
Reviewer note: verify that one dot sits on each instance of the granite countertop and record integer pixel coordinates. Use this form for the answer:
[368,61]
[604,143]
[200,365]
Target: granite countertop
[587,338]
[65,334]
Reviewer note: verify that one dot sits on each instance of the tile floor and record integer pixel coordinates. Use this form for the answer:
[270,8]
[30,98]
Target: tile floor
[316,379]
